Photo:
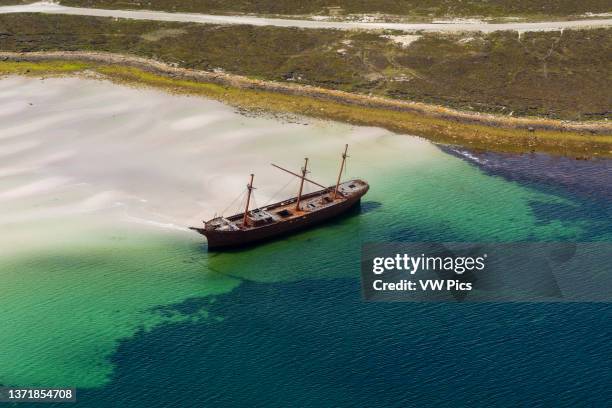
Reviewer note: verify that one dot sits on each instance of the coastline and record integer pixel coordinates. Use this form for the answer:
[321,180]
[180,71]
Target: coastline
[436,123]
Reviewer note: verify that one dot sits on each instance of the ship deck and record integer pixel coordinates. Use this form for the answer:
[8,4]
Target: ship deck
[285,210]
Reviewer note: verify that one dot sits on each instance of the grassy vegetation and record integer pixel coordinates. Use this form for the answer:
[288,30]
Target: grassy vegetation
[550,74]
[417,8]
[475,136]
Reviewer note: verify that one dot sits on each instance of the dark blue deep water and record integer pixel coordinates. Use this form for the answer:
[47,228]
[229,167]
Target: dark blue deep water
[316,344]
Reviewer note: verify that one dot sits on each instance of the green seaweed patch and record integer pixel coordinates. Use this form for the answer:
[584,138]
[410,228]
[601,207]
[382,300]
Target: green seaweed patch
[42,67]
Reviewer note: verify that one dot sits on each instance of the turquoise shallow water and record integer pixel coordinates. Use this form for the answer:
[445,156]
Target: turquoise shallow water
[298,334]
[293,330]
[140,314]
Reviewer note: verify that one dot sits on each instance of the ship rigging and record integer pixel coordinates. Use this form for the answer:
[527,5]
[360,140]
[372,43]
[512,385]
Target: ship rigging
[285,217]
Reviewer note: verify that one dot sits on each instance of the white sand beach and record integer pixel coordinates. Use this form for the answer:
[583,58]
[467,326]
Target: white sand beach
[80,154]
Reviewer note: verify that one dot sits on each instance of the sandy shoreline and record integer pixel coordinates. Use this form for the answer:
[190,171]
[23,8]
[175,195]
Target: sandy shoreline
[475,130]
[315,92]
[89,150]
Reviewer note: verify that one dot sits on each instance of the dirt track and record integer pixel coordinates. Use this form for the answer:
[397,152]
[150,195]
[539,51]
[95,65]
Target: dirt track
[51,8]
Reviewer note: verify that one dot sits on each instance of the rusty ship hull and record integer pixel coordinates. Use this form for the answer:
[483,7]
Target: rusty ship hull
[283,218]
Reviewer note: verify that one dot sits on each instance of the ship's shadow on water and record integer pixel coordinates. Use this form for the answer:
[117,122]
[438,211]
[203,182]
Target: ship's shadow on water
[370,206]
[362,208]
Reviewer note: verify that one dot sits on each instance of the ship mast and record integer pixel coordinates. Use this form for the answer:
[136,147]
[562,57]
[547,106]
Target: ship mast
[340,173]
[246,210]
[299,197]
